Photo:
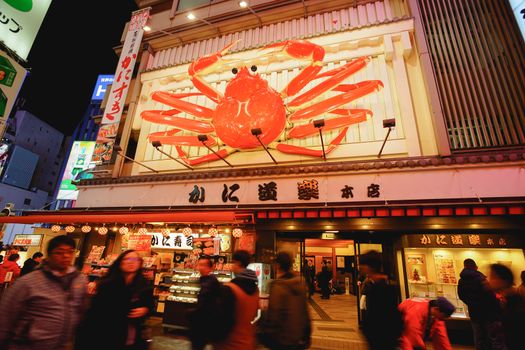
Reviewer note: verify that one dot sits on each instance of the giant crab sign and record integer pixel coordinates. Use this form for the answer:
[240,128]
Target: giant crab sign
[250,103]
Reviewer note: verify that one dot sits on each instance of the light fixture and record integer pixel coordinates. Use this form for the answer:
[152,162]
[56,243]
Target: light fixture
[165,232]
[70,228]
[203,139]
[243,4]
[114,229]
[102,230]
[86,228]
[118,149]
[187,231]
[227,230]
[191,16]
[56,228]
[237,232]
[143,231]
[158,144]
[319,124]
[201,230]
[387,123]
[257,132]
[123,230]
[213,232]
[147,28]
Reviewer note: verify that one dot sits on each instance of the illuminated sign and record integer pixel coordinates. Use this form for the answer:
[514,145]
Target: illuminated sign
[77,168]
[12,76]
[518,7]
[19,23]
[27,240]
[101,86]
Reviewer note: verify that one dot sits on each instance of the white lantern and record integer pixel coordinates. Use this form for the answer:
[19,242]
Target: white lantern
[70,228]
[213,232]
[187,231]
[165,232]
[143,231]
[56,228]
[123,230]
[237,232]
[86,229]
[102,230]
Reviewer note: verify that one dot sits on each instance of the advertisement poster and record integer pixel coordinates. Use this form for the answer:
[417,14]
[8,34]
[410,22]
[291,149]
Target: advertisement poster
[141,243]
[445,268]
[103,81]
[246,242]
[12,76]
[95,254]
[119,89]
[27,240]
[4,155]
[416,268]
[76,169]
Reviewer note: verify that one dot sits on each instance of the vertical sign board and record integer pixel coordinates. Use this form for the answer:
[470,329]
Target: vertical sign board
[119,90]
[101,86]
[518,8]
[76,169]
[12,76]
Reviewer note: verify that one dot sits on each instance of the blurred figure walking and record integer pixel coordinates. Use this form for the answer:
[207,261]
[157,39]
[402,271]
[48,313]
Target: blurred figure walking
[244,292]
[309,277]
[119,308]
[483,307]
[323,279]
[42,309]
[32,264]
[423,320]
[287,325]
[501,281]
[383,323]
[9,270]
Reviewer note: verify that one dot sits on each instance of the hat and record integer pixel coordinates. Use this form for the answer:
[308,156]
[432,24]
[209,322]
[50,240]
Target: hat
[445,306]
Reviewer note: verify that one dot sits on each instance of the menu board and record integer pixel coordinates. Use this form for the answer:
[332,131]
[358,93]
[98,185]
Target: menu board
[95,254]
[140,243]
[445,268]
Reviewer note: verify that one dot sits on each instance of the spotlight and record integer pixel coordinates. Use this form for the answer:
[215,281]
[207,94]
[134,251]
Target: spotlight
[243,4]
[147,28]
[190,16]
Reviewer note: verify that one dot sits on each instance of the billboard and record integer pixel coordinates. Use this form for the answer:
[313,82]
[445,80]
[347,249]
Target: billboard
[101,86]
[12,76]
[77,167]
[518,7]
[4,155]
[20,21]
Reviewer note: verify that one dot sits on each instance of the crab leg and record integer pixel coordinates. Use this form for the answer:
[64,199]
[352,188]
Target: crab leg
[174,100]
[170,138]
[223,153]
[301,49]
[348,69]
[291,149]
[202,66]
[309,129]
[332,103]
[178,122]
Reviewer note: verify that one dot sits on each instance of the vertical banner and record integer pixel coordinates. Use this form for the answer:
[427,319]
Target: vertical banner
[119,90]
[12,76]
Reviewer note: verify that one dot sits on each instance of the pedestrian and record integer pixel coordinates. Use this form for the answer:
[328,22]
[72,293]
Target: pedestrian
[424,320]
[244,292]
[9,270]
[501,281]
[383,323]
[119,308]
[483,307]
[42,309]
[287,325]
[32,263]
[323,279]
[309,277]
[521,288]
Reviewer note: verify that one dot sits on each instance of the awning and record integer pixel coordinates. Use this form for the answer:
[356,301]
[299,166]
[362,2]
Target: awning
[53,217]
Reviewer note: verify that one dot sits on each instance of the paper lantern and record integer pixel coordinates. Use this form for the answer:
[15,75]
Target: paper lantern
[123,230]
[213,232]
[187,231]
[70,228]
[56,228]
[143,231]
[165,232]
[86,229]
[237,232]
[102,230]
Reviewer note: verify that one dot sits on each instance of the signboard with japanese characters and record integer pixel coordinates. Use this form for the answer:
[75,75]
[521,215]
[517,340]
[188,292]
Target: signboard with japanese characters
[27,240]
[468,240]
[176,241]
[119,90]
[20,21]
[141,243]
[12,76]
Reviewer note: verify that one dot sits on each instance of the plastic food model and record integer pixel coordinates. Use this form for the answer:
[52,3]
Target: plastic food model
[249,103]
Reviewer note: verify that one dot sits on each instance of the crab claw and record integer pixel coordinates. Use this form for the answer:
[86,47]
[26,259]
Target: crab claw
[207,61]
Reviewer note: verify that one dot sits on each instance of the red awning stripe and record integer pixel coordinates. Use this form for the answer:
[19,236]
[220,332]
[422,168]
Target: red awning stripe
[124,218]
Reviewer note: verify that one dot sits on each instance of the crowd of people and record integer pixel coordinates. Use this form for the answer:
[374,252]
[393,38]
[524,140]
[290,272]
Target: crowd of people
[48,307]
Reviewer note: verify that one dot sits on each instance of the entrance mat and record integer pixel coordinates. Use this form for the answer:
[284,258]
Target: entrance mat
[336,329]
[324,316]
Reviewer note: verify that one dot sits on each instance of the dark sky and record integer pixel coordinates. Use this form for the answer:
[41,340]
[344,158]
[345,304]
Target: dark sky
[74,45]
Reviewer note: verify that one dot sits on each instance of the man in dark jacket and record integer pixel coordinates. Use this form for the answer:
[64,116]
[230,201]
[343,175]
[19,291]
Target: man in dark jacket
[42,309]
[309,277]
[483,307]
[323,279]
[32,263]
[287,325]
[383,324]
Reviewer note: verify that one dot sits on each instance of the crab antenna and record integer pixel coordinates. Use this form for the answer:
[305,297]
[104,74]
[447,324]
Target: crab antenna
[319,123]
[203,139]
[257,132]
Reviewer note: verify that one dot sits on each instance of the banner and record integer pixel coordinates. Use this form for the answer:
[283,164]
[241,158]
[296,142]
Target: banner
[12,76]
[119,90]
[27,240]
[76,169]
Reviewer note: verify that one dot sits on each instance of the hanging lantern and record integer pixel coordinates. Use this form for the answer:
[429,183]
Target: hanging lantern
[143,231]
[86,229]
[102,230]
[123,230]
[213,232]
[56,228]
[70,228]
[165,232]
[187,231]
[237,232]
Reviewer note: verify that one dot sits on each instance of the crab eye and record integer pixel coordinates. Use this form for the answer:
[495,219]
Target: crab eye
[235,70]
[254,68]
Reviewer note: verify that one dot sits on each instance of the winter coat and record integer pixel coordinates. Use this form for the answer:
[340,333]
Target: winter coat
[383,323]
[474,291]
[324,277]
[29,266]
[41,311]
[287,324]
[415,314]
[9,266]
[513,319]
[246,303]
[107,319]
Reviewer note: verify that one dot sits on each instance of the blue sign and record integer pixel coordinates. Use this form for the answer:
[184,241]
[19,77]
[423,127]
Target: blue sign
[100,88]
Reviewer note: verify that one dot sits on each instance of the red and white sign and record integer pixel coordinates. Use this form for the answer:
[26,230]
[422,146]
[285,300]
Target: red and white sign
[140,243]
[119,89]
[27,240]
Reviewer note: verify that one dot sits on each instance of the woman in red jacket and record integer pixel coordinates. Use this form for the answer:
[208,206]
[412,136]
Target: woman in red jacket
[423,319]
[10,266]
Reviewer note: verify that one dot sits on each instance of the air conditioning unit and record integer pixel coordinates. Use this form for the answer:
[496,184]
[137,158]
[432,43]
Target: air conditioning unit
[8,210]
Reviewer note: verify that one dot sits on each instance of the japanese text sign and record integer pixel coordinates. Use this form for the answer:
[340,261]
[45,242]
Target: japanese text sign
[175,241]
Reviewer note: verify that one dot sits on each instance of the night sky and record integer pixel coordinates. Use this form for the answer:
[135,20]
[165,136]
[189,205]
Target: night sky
[64,71]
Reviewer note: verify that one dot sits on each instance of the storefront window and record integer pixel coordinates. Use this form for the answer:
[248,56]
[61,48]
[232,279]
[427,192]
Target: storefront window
[189,4]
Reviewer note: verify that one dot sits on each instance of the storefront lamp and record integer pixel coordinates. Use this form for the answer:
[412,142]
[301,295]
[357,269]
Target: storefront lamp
[191,16]
[143,231]
[319,124]
[203,139]
[86,229]
[56,228]
[243,4]
[387,123]
[187,231]
[257,132]
[70,228]
[237,232]
[123,230]
[213,232]
[102,230]
[147,28]
[158,144]
[165,232]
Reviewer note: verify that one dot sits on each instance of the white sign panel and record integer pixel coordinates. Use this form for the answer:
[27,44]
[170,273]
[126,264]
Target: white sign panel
[176,241]
[27,240]
[20,21]
[76,169]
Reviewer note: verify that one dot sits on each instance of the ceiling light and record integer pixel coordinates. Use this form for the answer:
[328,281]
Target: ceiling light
[190,16]
[147,28]
[243,4]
